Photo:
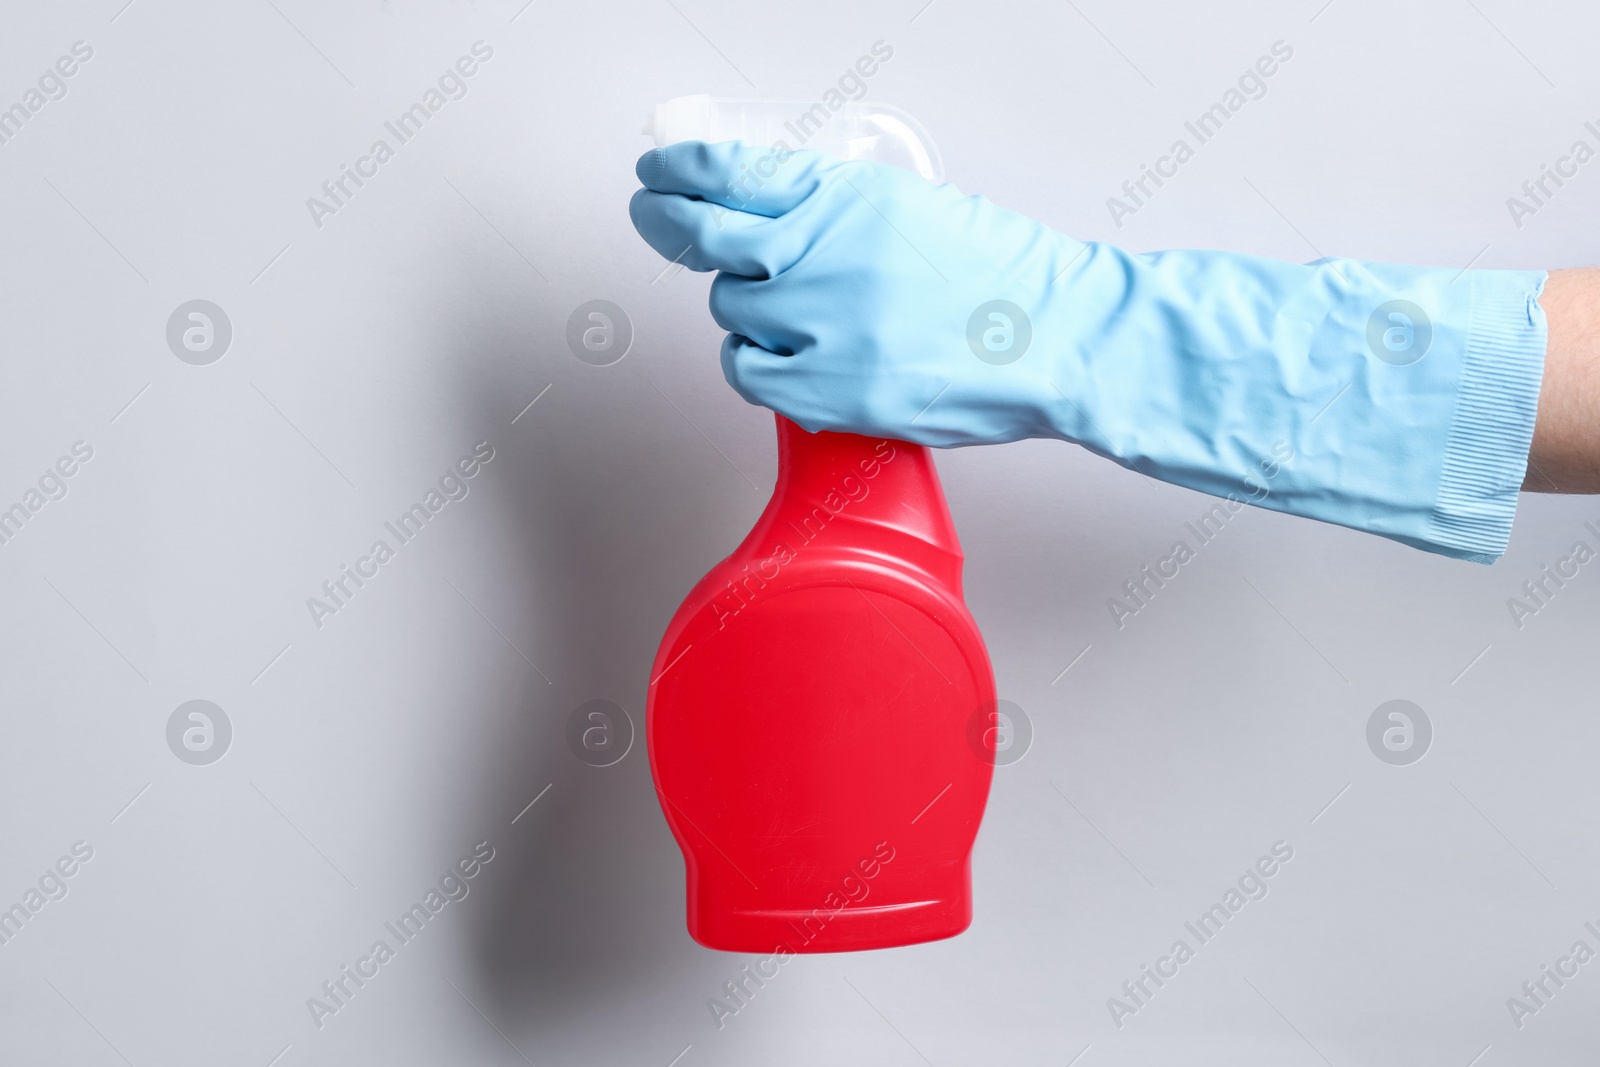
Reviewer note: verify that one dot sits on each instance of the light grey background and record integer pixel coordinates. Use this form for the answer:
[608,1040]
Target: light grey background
[369,354]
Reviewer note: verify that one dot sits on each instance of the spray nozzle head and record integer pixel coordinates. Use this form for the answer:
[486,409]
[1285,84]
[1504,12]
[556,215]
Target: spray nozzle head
[880,133]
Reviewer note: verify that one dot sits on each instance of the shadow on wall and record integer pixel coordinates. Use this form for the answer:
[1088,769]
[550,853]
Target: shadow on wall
[587,899]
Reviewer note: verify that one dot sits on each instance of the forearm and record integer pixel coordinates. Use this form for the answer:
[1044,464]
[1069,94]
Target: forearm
[1565,457]
[1397,400]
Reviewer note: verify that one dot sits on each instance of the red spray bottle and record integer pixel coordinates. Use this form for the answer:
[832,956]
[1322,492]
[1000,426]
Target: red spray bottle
[818,708]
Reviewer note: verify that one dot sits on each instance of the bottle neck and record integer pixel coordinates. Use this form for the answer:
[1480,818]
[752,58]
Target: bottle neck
[846,482]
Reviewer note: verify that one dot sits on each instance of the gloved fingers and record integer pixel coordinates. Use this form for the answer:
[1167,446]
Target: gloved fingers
[775,315]
[741,177]
[754,373]
[706,236]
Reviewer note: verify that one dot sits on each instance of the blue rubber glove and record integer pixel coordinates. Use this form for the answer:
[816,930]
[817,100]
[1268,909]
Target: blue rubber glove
[861,297]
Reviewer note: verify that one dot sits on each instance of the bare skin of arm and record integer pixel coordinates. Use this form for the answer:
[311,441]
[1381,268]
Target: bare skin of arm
[1565,457]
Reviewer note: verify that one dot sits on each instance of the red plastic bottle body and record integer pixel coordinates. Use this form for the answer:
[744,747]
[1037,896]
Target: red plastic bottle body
[810,707]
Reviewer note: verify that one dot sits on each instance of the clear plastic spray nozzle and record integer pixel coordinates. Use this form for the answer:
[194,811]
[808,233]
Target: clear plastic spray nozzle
[879,133]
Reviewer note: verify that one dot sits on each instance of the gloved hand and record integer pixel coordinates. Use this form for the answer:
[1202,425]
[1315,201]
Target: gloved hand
[860,297]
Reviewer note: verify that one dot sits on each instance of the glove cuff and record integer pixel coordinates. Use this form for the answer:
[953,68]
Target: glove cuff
[1486,451]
